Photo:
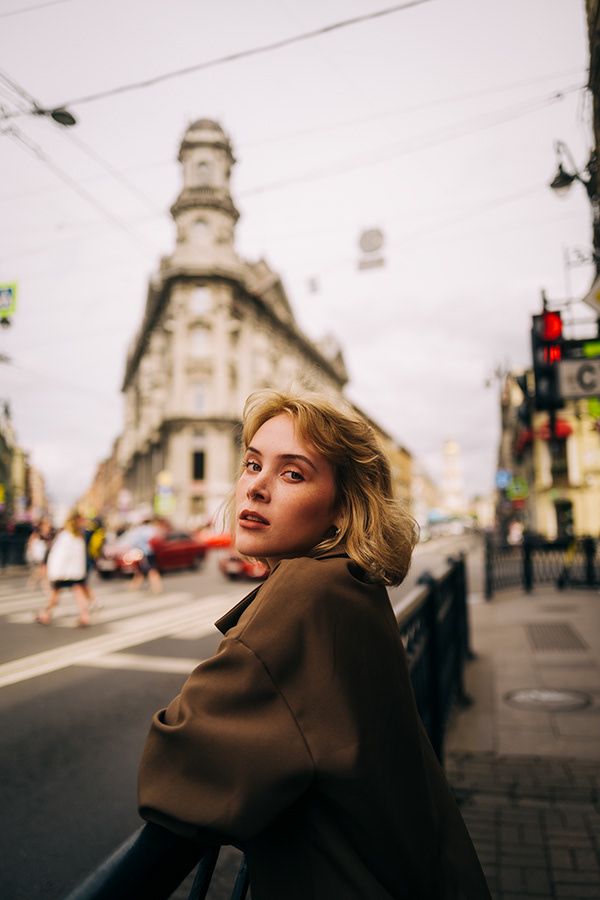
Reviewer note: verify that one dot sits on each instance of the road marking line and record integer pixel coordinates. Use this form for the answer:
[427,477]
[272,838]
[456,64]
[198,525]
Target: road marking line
[110,613]
[127,633]
[33,600]
[142,662]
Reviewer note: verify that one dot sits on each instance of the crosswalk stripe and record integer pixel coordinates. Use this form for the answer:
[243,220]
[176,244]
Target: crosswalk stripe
[123,634]
[142,662]
[36,599]
[107,613]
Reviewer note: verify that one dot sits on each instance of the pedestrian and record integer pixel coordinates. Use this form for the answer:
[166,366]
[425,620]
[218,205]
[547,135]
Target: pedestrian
[36,554]
[66,568]
[299,740]
[141,539]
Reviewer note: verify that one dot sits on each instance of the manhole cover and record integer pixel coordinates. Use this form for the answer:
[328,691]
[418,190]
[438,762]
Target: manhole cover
[547,699]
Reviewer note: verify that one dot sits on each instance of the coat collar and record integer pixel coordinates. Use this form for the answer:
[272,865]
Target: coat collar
[232,617]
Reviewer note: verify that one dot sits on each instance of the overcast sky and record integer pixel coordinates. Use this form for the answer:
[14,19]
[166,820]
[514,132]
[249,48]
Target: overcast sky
[435,124]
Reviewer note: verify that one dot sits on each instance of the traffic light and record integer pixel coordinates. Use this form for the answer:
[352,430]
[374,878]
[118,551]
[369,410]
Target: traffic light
[547,349]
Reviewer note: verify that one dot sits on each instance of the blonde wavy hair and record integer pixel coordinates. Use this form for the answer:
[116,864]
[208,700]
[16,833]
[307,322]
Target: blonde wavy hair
[74,523]
[374,529]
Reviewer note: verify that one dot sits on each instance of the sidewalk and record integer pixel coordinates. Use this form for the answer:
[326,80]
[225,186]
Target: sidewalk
[527,773]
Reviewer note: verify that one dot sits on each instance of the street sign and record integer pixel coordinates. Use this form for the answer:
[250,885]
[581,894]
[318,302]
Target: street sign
[581,349]
[503,479]
[579,378]
[8,300]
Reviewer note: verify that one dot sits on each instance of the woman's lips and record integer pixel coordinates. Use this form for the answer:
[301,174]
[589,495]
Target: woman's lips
[252,521]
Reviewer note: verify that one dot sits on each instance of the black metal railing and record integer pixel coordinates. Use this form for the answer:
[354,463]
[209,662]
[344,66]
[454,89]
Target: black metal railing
[433,621]
[567,563]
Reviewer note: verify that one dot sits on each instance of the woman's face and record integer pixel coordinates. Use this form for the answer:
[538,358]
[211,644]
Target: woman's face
[284,499]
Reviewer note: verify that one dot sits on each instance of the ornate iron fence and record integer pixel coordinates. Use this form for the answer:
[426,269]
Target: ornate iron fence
[573,563]
[433,621]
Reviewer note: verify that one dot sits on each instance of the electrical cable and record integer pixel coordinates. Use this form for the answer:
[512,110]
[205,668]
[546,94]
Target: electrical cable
[243,54]
[403,110]
[293,135]
[25,9]
[439,136]
[37,151]
[85,148]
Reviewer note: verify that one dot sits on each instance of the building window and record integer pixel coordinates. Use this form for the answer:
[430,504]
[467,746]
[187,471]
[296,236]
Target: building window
[203,172]
[199,341]
[200,301]
[198,465]
[199,397]
[200,231]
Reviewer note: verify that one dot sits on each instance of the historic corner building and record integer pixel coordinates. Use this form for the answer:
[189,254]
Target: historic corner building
[215,328]
[554,485]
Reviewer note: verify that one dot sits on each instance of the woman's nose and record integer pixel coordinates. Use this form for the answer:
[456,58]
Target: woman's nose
[258,490]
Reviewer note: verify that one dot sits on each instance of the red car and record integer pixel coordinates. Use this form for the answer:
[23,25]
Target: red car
[234,566]
[174,550]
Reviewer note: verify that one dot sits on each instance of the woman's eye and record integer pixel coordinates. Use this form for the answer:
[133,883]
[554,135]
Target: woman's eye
[251,465]
[294,476]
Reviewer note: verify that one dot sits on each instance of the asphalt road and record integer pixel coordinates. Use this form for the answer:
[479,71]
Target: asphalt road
[75,706]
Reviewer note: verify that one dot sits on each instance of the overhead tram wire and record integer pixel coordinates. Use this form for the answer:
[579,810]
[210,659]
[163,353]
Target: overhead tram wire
[417,107]
[432,139]
[327,128]
[37,151]
[85,148]
[243,54]
[26,9]
[440,136]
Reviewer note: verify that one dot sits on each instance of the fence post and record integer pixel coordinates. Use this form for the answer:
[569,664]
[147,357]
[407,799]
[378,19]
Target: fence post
[527,564]
[435,707]
[589,548]
[488,565]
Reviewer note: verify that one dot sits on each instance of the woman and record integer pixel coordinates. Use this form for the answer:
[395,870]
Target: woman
[35,555]
[299,740]
[67,568]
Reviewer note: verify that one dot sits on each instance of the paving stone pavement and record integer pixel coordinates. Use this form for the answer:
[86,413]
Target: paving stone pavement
[535,822]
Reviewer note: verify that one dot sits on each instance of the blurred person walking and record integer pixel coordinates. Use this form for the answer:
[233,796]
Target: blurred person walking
[67,568]
[141,539]
[36,554]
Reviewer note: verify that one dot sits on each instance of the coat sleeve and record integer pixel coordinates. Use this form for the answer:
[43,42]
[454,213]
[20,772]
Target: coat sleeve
[227,755]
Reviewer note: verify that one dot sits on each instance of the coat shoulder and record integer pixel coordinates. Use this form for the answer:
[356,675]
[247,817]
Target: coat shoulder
[308,591]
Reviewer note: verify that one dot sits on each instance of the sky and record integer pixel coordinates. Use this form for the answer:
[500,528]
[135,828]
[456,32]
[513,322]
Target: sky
[435,124]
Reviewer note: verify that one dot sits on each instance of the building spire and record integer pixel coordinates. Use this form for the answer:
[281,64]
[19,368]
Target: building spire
[204,212]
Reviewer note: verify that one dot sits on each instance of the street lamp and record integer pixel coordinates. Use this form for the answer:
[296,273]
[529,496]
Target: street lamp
[59,114]
[563,179]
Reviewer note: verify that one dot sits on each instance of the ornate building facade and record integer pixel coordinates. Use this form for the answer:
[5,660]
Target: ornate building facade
[215,328]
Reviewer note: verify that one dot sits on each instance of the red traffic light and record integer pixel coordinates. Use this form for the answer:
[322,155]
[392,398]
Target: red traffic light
[552,353]
[551,326]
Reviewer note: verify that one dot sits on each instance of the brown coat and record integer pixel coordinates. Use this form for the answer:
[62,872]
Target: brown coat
[300,740]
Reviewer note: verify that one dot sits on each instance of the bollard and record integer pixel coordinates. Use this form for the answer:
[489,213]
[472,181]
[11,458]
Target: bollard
[589,549]
[527,564]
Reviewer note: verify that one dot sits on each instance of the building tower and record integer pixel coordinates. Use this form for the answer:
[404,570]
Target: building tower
[453,490]
[215,328]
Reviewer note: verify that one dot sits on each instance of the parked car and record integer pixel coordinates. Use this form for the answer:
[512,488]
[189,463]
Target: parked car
[234,566]
[173,550]
[212,539]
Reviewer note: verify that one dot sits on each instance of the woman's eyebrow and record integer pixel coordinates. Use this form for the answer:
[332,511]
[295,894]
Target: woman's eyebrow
[292,456]
[285,456]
